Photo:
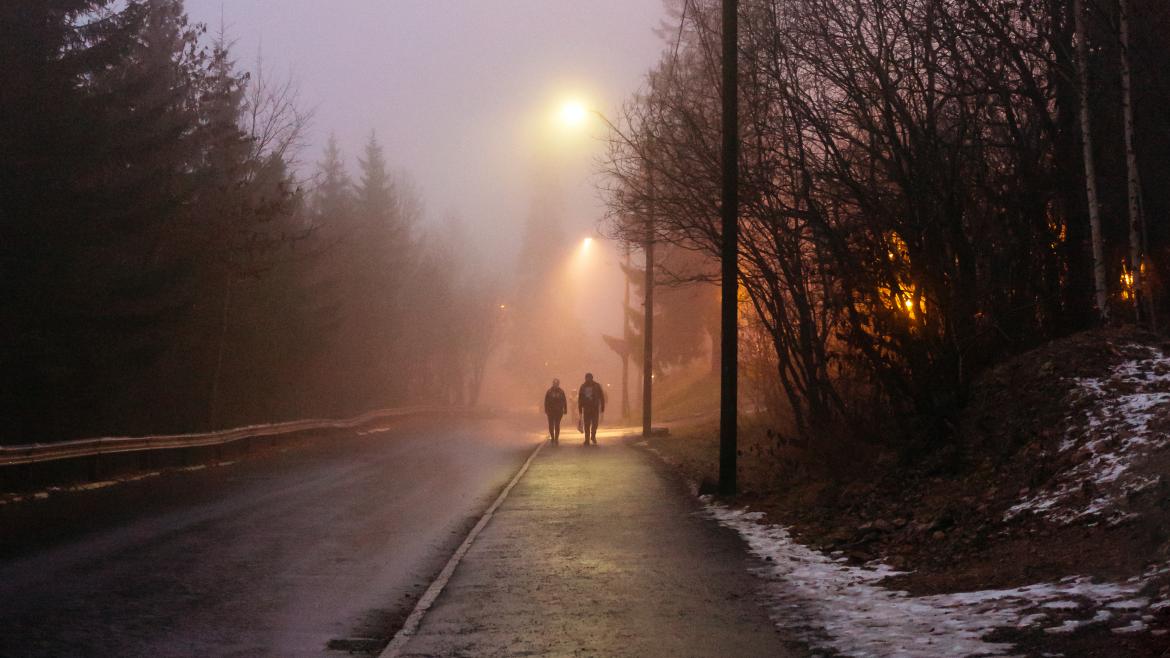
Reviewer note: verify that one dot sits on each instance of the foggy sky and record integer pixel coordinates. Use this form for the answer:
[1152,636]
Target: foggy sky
[454,88]
[461,94]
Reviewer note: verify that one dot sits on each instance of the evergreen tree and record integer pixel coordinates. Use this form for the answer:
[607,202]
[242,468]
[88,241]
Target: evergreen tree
[375,196]
[94,151]
[160,269]
[333,199]
[376,249]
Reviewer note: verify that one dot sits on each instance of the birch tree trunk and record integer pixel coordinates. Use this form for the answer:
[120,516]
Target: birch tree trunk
[1141,288]
[1100,286]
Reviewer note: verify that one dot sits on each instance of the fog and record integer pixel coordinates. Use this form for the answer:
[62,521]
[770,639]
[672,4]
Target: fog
[463,96]
[222,213]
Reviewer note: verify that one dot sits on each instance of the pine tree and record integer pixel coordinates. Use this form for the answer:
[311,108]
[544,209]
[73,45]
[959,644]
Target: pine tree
[95,152]
[333,198]
[376,248]
[375,196]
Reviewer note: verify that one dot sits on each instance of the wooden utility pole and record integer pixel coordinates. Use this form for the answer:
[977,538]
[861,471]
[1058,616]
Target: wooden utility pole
[729,317]
[626,336]
[648,328]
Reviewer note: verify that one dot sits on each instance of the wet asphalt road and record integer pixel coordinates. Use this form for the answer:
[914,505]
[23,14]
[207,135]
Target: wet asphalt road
[270,556]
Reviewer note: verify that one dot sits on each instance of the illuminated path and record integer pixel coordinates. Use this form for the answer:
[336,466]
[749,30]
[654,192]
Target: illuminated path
[599,552]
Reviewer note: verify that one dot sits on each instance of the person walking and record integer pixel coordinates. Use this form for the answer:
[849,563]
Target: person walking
[591,404]
[556,405]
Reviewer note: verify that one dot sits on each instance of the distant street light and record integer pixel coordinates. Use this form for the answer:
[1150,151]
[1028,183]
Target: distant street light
[573,114]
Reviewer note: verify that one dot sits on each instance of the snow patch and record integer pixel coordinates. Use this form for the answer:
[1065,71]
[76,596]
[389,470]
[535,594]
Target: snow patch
[1116,437]
[1134,626]
[838,607]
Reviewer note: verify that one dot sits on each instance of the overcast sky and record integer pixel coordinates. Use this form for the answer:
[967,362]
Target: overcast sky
[459,91]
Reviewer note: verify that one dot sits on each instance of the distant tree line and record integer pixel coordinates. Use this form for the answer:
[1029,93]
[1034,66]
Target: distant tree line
[164,268]
[915,202]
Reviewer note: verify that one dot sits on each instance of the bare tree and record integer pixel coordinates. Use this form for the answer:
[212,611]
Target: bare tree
[273,125]
[1100,287]
[899,230]
[1139,288]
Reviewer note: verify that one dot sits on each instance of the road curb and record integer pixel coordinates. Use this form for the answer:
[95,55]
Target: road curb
[410,626]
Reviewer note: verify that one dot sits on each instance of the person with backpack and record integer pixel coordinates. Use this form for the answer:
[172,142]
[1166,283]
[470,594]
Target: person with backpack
[556,405]
[591,404]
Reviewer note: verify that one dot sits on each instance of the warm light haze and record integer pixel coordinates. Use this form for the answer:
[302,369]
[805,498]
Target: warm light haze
[621,328]
[573,113]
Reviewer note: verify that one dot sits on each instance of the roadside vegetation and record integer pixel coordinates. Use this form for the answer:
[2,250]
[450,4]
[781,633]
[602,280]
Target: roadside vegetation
[951,292]
[913,184]
[168,262]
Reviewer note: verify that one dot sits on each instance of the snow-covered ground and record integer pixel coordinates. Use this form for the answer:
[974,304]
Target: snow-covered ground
[836,607]
[1116,437]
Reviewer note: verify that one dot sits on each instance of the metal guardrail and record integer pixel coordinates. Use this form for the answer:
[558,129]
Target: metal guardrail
[45,452]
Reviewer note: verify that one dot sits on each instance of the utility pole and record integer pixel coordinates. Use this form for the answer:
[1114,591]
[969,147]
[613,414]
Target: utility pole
[626,336]
[729,317]
[648,327]
[648,300]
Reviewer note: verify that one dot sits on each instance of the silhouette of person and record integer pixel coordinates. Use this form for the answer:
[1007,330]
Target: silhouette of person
[591,403]
[556,405]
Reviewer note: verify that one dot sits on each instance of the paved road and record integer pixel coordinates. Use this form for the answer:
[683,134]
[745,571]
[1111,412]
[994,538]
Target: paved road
[273,556]
[600,552]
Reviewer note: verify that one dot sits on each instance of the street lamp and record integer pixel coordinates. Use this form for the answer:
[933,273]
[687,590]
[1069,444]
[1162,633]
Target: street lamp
[573,114]
[648,305]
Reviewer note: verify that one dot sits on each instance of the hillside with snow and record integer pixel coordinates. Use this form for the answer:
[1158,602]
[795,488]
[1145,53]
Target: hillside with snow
[1041,528]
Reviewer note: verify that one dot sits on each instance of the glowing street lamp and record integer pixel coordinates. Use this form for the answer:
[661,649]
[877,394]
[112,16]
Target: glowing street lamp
[573,113]
[574,110]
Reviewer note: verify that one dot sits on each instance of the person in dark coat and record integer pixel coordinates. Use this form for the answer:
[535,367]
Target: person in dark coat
[591,404]
[556,405]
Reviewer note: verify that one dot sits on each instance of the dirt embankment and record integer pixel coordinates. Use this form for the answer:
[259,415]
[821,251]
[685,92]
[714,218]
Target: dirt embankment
[1060,468]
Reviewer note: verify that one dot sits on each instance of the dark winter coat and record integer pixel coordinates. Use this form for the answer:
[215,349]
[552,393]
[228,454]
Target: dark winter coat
[555,402]
[591,397]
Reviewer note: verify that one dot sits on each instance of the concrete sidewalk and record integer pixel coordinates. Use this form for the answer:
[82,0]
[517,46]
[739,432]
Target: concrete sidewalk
[600,552]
